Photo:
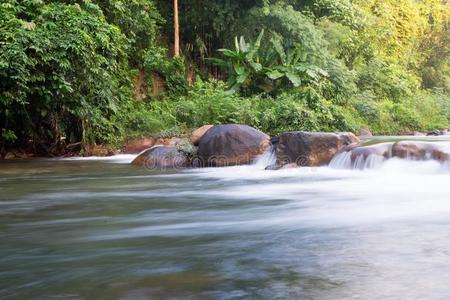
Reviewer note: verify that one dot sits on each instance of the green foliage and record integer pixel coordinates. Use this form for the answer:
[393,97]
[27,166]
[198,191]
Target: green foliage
[303,109]
[269,69]
[66,67]
[210,103]
[341,11]
[9,136]
[297,31]
[388,81]
[138,20]
[172,70]
[62,72]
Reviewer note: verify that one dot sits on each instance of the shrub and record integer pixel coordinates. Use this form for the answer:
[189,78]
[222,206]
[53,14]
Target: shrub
[172,70]
[63,72]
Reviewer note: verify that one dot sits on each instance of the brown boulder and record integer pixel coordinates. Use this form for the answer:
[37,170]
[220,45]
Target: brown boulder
[199,133]
[383,149]
[365,132]
[418,133]
[169,142]
[311,149]
[232,144]
[99,150]
[10,155]
[138,145]
[419,151]
[161,157]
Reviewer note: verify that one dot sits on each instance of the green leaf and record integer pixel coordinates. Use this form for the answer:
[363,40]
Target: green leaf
[217,62]
[274,74]
[242,77]
[243,45]
[258,40]
[255,47]
[276,43]
[294,78]
[239,70]
[256,66]
[229,53]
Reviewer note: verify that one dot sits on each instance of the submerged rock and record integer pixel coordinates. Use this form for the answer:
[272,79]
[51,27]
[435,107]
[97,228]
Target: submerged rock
[361,157]
[420,151]
[232,144]
[199,133]
[311,149]
[161,157]
[383,149]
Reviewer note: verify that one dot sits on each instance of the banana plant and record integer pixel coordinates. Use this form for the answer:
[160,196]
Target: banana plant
[242,63]
[290,63]
[250,66]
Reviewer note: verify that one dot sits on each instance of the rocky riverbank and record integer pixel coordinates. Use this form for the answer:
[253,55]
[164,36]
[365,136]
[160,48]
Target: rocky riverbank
[233,144]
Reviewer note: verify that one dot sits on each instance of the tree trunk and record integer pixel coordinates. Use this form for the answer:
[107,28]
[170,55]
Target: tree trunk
[177,29]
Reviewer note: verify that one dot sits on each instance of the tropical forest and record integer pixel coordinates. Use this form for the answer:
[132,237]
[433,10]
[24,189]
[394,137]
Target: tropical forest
[91,72]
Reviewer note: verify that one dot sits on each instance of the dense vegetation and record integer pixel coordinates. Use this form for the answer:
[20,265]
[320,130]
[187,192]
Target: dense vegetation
[98,71]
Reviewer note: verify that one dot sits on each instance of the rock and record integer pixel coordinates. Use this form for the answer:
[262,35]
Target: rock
[74,147]
[232,144]
[161,157]
[418,133]
[311,149]
[99,150]
[198,134]
[138,145]
[21,155]
[273,167]
[419,151]
[365,132]
[10,155]
[169,142]
[383,149]
[438,132]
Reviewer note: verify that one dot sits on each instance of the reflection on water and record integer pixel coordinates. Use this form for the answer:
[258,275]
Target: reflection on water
[107,230]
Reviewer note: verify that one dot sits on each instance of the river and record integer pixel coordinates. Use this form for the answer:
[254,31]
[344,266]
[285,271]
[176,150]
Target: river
[103,229]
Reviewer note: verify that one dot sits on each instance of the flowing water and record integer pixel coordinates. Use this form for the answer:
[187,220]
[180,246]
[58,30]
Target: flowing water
[103,229]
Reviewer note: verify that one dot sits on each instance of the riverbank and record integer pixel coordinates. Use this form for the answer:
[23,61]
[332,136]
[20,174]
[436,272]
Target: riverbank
[139,144]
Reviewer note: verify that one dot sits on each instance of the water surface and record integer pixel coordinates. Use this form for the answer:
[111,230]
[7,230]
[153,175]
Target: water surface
[103,229]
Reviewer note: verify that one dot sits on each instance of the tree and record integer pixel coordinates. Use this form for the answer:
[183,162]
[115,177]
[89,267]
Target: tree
[176,29]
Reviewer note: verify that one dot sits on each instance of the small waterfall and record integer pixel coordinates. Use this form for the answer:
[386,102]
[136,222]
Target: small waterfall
[266,159]
[341,161]
[373,161]
[346,161]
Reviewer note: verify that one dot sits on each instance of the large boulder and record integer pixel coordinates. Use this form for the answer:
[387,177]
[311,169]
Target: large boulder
[197,135]
[420,151]
[231,144]
[161,157]
[311,149]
